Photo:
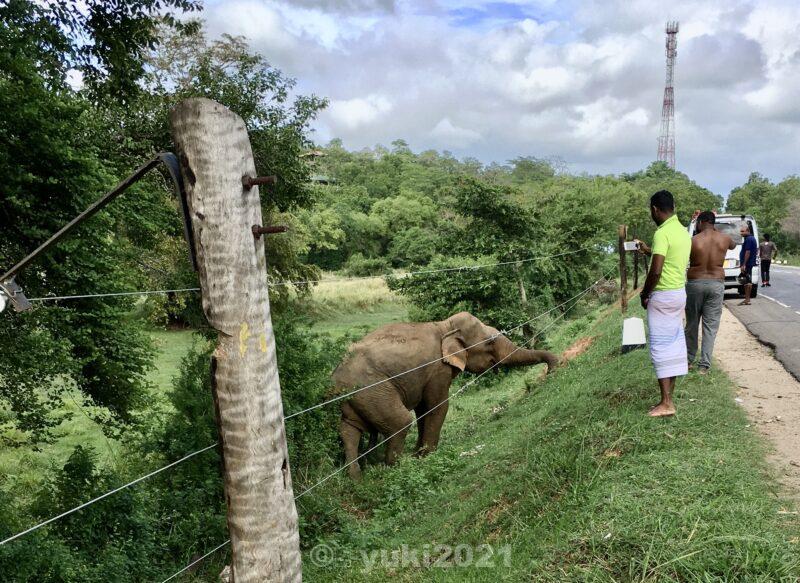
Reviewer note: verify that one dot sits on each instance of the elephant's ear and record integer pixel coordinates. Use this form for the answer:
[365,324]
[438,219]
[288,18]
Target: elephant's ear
[453,352]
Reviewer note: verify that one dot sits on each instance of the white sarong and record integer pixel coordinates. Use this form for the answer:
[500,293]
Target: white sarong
[667,341]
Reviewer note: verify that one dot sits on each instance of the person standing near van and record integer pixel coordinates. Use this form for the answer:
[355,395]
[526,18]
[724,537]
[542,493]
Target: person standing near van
[747,260]
[767,251]
[664,298]
[705,288]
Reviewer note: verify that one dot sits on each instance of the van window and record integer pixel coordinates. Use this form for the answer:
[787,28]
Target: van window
[732,230]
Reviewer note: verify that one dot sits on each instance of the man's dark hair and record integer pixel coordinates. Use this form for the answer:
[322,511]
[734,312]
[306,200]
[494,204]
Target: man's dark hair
[707,217]
[663,201]
[766,237]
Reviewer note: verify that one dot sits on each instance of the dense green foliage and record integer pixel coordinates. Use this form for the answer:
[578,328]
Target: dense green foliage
[61,148]
[775,207]
[392,208]
[85,91]
[51,167]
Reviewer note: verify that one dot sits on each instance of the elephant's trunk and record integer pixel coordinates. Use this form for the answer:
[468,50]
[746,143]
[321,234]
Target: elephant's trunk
[517,356]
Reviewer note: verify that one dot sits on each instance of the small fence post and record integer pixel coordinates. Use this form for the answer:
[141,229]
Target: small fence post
[215,155]
[623,269]
[527,330]
[635,267]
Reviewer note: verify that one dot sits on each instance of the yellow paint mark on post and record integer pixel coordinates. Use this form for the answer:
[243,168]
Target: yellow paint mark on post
[244,335]
[262,342]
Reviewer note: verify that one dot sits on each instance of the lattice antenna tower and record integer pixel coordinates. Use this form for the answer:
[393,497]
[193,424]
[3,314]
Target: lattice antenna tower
[666,139]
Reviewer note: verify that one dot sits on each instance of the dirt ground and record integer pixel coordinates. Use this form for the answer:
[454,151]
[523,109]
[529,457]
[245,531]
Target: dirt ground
[769,394]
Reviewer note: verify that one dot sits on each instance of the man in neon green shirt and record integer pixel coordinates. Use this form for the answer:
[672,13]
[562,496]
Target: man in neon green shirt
[664,298]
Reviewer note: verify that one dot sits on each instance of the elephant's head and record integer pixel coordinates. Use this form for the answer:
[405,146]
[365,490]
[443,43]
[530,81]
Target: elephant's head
[485,347]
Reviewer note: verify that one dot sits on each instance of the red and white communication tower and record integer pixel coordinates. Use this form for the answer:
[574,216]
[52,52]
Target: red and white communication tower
[666,140]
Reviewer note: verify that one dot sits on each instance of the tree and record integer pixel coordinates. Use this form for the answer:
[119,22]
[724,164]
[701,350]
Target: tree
[770,204]
[689,196]
[186,64]
[51,168]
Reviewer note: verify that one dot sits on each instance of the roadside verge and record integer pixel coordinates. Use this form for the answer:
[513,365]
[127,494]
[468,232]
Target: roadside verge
[769,394]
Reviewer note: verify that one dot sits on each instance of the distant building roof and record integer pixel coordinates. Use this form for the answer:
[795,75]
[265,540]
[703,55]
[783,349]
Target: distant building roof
[313,154]
[322,179]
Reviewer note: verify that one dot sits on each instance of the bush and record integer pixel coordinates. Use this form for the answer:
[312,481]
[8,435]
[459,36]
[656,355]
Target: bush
[491,294]
[359,266]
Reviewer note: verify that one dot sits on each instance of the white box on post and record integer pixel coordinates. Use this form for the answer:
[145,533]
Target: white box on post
[633,336]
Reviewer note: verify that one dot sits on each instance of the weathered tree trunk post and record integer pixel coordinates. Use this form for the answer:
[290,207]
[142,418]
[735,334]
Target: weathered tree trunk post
[623,269]
[215,154]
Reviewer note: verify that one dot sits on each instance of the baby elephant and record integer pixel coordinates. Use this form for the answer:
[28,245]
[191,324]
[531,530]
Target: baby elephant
[462,342]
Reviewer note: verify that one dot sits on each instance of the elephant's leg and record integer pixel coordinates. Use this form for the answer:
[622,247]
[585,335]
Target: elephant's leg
[394,447]
[433,428]
[351,437]
[435,403]
[421,411]
[393,421]
[351,428]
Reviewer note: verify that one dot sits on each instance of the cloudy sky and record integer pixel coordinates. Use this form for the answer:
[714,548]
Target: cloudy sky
[582,80]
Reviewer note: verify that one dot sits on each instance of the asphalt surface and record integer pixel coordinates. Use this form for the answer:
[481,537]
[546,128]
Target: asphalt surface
[774,316]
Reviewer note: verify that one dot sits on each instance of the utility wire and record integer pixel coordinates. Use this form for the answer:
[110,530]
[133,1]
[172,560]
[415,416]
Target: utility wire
[416,419]
[423,365]
[461,389]
[106,495]
[428,271]
[193,563]
[287,417]
[114,294]
[312,281]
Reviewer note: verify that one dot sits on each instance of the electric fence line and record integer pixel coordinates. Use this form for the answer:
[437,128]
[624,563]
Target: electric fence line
[106,495]
[287,417]
[408,425]
[313,281]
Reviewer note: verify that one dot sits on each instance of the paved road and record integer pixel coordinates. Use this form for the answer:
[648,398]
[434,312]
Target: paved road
[774,317]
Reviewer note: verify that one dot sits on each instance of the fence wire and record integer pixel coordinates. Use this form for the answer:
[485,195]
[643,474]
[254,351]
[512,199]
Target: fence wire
[307,282]
[405,427]
[328,402]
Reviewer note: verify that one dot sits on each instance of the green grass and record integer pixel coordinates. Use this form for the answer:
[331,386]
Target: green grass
[338,325]
[576,483]
[172,346]
[23,467]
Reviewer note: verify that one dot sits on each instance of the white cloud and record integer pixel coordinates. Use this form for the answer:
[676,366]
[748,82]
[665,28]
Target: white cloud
[452,136]
[583,80]
[352,114]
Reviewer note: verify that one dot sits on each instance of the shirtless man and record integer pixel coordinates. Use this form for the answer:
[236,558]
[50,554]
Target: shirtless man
[705,288]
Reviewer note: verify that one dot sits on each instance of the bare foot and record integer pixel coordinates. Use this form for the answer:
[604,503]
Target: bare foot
[662,410]
[702,370]
[745,303]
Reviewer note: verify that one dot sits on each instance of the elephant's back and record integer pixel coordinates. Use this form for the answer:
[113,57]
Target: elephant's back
[389,350]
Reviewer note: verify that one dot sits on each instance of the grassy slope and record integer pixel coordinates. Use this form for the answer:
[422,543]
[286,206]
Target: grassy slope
[579,483]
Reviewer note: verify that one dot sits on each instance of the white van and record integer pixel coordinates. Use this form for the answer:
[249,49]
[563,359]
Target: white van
[729,224]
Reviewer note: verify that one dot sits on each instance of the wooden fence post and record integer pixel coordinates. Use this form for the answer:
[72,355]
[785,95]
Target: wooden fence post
[635,267]
[623,269]
[527,330]
[215,153]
